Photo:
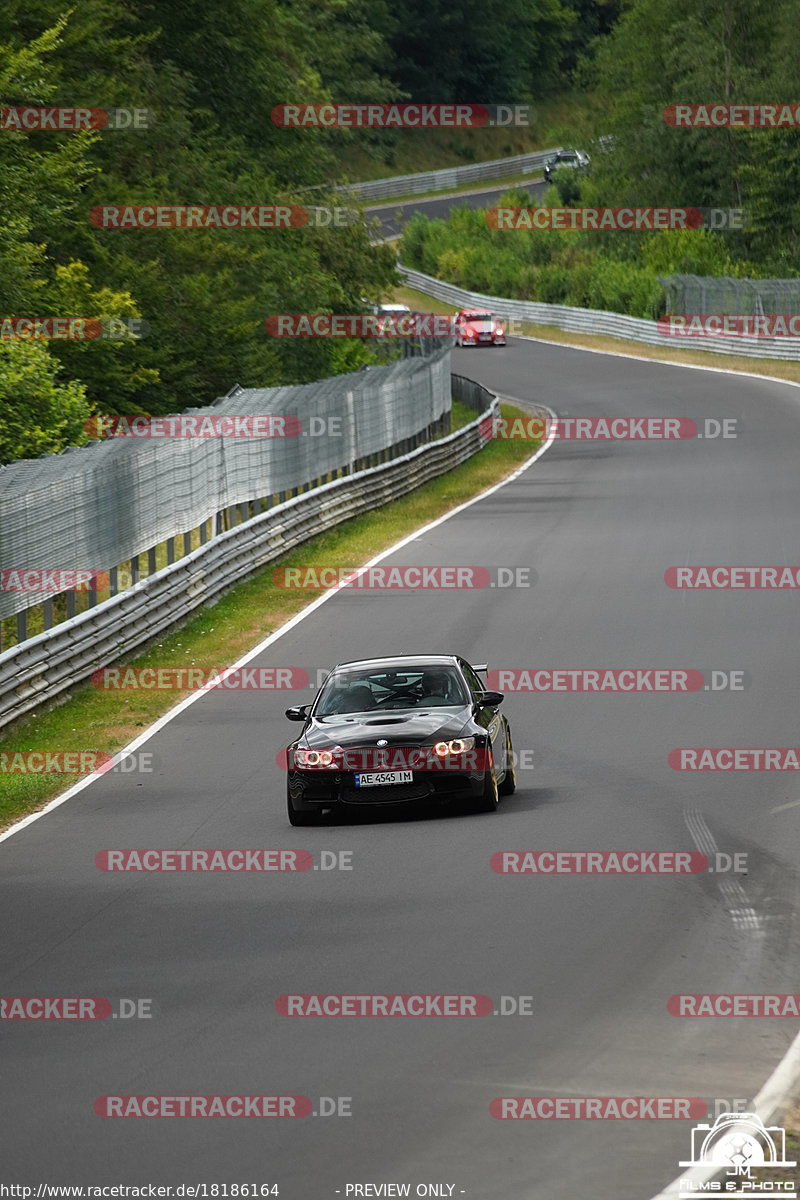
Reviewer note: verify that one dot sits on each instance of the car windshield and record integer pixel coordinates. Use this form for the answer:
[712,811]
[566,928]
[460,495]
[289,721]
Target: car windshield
[360,690]
[481,321]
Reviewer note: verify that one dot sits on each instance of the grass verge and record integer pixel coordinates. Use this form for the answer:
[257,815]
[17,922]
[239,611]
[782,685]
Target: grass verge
[779,1180]
[213,638]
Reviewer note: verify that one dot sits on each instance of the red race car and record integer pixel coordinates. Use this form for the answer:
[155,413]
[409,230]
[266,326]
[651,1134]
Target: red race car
[474,327]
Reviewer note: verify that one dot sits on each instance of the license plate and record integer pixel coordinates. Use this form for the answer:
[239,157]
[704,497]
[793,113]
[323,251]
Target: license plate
[484,337]
[378,778]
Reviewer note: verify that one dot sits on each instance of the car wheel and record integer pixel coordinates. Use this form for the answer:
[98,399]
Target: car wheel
[298,816]
[490,798]
[509,784]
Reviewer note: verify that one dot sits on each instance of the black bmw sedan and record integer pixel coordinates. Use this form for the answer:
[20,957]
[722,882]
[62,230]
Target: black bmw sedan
[395,731]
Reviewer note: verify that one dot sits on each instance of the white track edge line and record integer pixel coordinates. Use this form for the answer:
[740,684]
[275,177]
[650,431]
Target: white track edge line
[658,362]
[777,1091]
[770,1103]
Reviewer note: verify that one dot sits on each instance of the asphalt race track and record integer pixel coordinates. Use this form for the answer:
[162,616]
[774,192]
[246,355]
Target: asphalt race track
[393,217]
[421,911]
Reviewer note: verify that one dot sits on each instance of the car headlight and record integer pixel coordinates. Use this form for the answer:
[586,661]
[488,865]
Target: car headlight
[456,746]
[319,760]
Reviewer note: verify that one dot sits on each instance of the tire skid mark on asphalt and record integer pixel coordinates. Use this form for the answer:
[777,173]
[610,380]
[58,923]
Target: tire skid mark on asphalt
[739,906]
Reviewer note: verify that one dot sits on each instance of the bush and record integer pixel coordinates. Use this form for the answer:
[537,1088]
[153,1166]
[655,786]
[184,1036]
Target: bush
[39,415]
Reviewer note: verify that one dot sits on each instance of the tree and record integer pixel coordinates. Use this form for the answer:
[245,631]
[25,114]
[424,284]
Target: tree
[204,294]
[663,52]
[38,415]
[480,51]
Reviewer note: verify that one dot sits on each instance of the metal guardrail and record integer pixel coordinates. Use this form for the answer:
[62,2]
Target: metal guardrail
[449,177]
[592,320]
[46,666]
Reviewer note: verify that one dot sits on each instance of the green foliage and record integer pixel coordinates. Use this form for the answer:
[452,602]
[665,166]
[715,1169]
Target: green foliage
[210,76]
[687,252]
[658,53]
[664,52]
[568,185]
[561,267]
[38,415]
[771,184]
[111,368]
[481,51]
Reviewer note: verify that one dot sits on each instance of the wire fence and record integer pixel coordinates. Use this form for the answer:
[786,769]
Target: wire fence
[724,294]
[41,669]
[90,522]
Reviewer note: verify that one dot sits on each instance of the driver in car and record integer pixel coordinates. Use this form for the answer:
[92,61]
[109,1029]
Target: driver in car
[434,688]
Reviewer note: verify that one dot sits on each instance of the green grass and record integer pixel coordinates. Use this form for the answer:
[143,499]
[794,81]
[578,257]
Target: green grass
[100,720]
[783,1175]
[460,416]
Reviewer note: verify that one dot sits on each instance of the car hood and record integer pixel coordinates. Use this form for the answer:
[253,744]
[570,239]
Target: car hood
[420,727]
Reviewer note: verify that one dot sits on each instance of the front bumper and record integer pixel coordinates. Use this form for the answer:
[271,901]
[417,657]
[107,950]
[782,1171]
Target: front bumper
[314,790]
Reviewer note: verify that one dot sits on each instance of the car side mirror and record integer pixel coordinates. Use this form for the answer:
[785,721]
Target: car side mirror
[489,699]
[298,713]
